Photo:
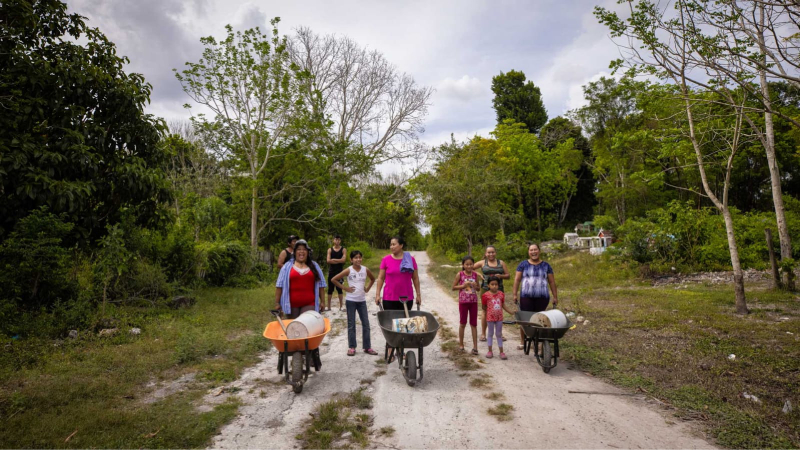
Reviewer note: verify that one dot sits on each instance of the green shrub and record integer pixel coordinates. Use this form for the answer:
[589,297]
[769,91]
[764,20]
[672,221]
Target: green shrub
[34,262]
[361,246]
[220,261]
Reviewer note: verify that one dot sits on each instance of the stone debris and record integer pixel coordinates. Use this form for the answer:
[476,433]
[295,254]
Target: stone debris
[73,334]
[586,322]
[787,407]
[107,332]
[579,319]
[135,331]
[731,357]
[751,397]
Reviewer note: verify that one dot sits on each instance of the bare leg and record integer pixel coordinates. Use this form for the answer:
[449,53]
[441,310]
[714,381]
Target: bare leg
[329,300]
[483,323]
[461,335]
[340,301]
[474,338]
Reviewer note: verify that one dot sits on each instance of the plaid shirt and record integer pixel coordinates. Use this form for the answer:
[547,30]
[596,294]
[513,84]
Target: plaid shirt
[283,282]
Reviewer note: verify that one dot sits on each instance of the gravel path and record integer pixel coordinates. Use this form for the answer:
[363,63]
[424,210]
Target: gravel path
[443,411]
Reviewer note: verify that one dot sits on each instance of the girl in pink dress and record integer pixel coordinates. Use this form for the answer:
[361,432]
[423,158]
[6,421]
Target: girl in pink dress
[467,283]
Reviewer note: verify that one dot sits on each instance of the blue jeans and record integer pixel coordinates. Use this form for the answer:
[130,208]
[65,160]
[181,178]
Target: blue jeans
[361,308]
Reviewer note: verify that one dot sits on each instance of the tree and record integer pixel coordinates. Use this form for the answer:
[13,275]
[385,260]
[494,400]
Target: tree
[258,103]
[459,197]
[73,133]
[375,109]
[733,45]
[579,205]
[668,58]
[517,100]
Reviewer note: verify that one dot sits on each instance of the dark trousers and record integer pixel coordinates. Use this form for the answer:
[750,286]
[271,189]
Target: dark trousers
[361,309]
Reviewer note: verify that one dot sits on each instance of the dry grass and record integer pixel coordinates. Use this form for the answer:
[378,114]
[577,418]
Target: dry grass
[501,412]
[494,396]
[480,382]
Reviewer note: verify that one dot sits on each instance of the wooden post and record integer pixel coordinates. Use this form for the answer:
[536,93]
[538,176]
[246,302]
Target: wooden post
[776,276]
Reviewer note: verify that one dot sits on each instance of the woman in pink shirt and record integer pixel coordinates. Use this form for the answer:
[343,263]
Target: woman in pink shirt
[398,283]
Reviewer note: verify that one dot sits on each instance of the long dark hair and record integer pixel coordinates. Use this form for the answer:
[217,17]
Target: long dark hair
[309,261]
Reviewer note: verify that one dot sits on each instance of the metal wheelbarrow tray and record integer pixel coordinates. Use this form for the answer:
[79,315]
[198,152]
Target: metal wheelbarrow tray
[397,342]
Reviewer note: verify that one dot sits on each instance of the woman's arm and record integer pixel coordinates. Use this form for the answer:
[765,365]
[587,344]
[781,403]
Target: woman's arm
[505,274]
[456,286]
[381,277]
[339,276]
[515,289]
[371,280]
[415,279]
[278,293]
[282,259]
[477,265]
[551,280]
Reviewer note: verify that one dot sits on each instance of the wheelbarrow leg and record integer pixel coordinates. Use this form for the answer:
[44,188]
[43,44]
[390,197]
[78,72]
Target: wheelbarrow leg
[419,360]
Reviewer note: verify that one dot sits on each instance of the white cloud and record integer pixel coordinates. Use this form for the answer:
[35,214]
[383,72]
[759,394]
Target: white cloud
[464,89]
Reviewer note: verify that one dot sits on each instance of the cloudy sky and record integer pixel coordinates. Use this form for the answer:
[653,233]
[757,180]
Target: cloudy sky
[455,46]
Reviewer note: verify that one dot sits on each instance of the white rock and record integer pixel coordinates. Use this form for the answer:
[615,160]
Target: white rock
[787,407]
[73,334]
[586,322]
[135,331]
[731,357]
[570,314]
[579,319]
[751,397]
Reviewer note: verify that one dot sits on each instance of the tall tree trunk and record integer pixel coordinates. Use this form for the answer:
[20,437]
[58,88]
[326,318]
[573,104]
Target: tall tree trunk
[738,274]
[774,171]
[254,221]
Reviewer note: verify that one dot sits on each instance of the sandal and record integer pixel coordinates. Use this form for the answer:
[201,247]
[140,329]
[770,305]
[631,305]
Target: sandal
[462,349]
[370,351]
[475,351]
[482,338]
[520,347]
[351,352]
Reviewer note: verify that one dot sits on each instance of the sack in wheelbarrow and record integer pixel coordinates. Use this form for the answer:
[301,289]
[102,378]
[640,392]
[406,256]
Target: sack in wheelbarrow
[417,324]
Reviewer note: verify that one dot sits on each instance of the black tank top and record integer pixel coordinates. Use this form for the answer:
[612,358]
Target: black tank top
[337,255]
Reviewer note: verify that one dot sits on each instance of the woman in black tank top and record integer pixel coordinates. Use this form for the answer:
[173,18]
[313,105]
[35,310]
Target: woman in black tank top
[336,260]
[490,266]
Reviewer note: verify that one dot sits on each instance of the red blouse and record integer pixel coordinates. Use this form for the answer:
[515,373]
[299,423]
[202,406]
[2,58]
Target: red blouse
[301,288]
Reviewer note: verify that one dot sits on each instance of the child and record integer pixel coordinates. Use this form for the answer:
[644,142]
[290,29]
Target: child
[356,301]
[466,282]
[495,304]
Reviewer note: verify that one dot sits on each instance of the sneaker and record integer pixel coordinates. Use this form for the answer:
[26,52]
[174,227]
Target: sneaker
[489,354]
[503,356]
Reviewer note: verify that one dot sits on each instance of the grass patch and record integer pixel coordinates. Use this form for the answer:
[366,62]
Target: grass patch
[501,412]
[480,382]
[387,431]
[333,419]
[494,396]
[98,385]
[379,373]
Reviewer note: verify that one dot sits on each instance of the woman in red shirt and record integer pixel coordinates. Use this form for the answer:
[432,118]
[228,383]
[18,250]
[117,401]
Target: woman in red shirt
[302,280]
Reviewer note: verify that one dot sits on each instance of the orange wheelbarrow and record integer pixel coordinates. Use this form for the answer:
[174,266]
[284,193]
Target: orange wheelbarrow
[304,352]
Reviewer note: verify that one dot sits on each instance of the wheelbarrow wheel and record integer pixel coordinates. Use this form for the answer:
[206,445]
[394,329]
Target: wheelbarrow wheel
[411,368]
[547,356]
[297,372]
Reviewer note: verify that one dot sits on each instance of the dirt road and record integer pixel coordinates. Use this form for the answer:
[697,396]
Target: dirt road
[443,411]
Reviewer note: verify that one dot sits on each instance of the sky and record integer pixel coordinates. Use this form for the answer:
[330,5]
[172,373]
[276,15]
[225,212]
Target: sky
[454,46]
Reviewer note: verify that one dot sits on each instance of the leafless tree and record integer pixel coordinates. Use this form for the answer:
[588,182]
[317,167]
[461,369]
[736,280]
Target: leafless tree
[371,104]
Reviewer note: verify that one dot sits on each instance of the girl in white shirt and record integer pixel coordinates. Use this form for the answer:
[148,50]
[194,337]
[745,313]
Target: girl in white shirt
[355,301]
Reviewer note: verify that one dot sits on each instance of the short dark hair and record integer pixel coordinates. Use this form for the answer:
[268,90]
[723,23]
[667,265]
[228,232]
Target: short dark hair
[337,236]
[400,240]
[492,278]
[355,253]
[291,238]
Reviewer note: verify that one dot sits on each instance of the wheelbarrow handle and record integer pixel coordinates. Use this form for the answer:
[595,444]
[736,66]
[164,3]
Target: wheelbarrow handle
[276,312]
[509,322]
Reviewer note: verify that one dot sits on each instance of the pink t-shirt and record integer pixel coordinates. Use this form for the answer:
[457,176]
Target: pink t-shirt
[398,284]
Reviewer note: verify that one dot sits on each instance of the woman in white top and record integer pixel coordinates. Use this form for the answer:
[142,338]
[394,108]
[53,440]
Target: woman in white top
[355,301]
